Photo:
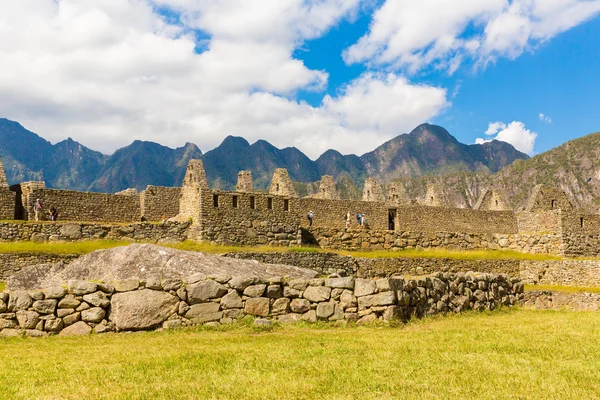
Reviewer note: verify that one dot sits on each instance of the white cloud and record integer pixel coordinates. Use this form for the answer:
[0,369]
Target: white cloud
[415,35]
[514,133]
[107,72]
[545,118]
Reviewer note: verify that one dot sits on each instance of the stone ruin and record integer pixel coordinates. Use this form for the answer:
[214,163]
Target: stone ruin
[282,185]
[372,191]
[546,198]
[327,189]
[493,199]
[397,195]
[434,196]
[3,180]
[244,182]
[128,192]
[190,198]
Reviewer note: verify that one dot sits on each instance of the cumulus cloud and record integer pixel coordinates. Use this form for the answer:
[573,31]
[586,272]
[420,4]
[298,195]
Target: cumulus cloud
[545,118]
[514,133]
[107,72]
[416,35]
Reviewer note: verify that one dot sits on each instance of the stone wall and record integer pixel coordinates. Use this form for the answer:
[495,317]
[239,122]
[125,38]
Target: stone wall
[64,231]
[547,198]
[583,273]
[545,300]
[86,307]
[11,263]
[158,202]
[543,221]
[7,204]
[372,191]
[248,219]
[85,206]
[332,213]
[440,219]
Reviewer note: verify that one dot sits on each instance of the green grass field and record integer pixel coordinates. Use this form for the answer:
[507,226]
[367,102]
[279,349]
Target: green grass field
[502,355]
[85,247]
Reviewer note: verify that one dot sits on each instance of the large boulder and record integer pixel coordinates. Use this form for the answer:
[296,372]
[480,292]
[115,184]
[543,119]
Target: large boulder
[142,309]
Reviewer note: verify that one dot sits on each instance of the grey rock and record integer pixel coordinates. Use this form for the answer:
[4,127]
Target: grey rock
[19,301]
[95,314]
[83,306]
[11,333]
[231,300]
[364,287]
[153,283]
[289,318]
[4,297]
[205,290]
[104,327]
[54,325]
[71,318]
[183,308]
[383,285]
[142,309]
[8,316]
[173,324]
[71,231]
[310,316]
[182,294]
[255,290]
[28,319]
[367,319]
[79,288]
[338,313]
[280,306]
[316,282]
[126,285]
[37,295]
[106,288]
[347,299]
[274,291]
[240,283]
[205,312]
[222,278]
[234,313]
[97,299]
[263,322]
[171,284]
[8,324]
[380,299]
[3,307]
[317,294]
[291,293]
[325,310]
[340,283]
[77,329]
[35,333]
[298,284]
[259,307]
[390,313]
[69,301]
[56,292]
[300,306]
[45,306]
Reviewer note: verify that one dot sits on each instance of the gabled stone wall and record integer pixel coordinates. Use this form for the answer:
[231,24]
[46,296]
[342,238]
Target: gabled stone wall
[372,191]
[85,307]
[332,213]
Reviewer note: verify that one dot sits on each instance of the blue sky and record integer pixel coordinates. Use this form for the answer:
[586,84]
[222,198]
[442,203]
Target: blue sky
[314,74]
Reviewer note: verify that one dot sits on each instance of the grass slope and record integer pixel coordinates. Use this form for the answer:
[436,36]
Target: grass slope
[518,354]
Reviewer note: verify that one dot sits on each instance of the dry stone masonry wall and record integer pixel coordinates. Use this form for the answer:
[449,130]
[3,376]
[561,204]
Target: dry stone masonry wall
[11,263]
[81,308]
[159,203]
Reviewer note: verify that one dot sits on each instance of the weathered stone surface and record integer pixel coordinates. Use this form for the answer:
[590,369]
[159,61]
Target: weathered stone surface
[54,325]
[11,333]
[83,306]
[255,290]
[310,316]
[317,294]
[347,299]
[104,327]
[240,283]
[231,300]
[142,309]
[380,299]
[291,293]
[289,318]
[280,306]
[340,283]
[153,282]
[325,310]
[69,301]
[364,287]
[205,290]
[71,318]
[45,306]
[79,288]
[338,313]
[95,314]
[171,284]
[298,284]
[274,291]
[77,329]
[19,300]
[259,307]
[106,288]
[8,324]
[367,319]
[263,322]
[300,305]
[28,319]
[36,295]
[3,307]
[126,285]
[97,299]
[205,312]
[383,285]
[56,292]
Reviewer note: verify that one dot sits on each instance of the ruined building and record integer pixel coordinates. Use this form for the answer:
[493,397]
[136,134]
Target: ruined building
[327,189]
[372,191]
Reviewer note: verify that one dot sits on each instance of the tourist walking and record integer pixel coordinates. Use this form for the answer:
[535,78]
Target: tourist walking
[53,212]
[358,218]
[363,220]
[348,220]
[37,209]
[310,218]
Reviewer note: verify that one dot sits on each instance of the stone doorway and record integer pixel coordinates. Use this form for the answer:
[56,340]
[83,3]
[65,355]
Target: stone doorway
[392,219]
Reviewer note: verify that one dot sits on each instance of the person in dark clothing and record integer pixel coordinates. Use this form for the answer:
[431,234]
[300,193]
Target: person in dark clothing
[310,218]
[53,212]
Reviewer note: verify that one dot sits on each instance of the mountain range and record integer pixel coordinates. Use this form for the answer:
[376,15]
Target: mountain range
[427,150]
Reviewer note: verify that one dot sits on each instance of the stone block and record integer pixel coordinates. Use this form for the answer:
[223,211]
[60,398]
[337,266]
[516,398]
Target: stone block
[79,288]
[97,299]
[56,292]
[255,290]
[205,312]
[19,300]
[77,329]
[45,306]
[375,300]
[259,307]
[205,290]
[364,287]
[317,294]
[340,283]
[231,300]
[95,315]
[325,310]
[28,319]
[126,285]
[281,306]
[142,309]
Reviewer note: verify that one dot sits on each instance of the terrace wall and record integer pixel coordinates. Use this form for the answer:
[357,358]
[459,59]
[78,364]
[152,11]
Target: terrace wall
[158,202]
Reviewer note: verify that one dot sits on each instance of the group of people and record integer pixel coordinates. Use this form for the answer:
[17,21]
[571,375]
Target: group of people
[361,219]
[38,209]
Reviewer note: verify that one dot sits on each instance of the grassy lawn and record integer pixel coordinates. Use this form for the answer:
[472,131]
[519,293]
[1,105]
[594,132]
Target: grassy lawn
[85,247]
[513,354]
